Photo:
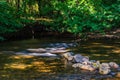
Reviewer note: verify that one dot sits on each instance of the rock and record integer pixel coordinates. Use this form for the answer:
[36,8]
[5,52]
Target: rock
[36,54]
[76,65]
[58,51]
[61,48]
[50,50]
[118,69]
[83,66]
[65,45]
[104,68]
[39,50]
[87,67]
[113,65]
[58,45]
[43,54]
[112,73]
[96,64]
[79,58]
[103,77]
[118,75]
[92,61]
[68,56]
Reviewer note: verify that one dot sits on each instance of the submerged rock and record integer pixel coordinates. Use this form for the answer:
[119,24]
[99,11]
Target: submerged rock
[49,50]
[118,69]
[43,54]
[113,73]
[58,51]
[39,50]
[65,45]
[36,54]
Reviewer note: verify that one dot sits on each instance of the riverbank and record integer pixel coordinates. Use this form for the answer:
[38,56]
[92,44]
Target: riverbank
[112,34]
[109,35]
[39,31]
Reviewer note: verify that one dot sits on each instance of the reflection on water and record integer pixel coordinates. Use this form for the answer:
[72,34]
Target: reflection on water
[18,67]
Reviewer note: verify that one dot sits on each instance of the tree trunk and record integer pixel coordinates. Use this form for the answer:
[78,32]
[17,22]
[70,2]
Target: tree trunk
[8,1]
[18,8]
[39,7]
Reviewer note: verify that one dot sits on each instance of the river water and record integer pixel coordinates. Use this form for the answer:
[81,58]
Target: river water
[18,67]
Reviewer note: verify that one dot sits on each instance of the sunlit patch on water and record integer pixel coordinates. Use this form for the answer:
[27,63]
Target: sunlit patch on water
[20,57]
[19,66]
[117,50]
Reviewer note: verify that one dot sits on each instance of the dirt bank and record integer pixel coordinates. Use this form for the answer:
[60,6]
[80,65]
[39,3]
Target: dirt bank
[110,35]
[114,34]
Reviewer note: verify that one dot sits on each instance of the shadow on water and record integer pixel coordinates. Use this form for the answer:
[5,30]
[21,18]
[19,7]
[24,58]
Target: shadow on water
[32,43]
[19,67]
[104,51]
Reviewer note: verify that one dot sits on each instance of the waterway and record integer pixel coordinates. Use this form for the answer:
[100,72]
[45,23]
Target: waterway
[18,67]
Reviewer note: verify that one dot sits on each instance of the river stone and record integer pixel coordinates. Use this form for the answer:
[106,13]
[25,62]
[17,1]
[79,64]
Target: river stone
[68,56]
[112,73]
[102,77]
[65,45]
[76,65]
[79,58]
[113,65]
[39,50]
[55,48]
[104,68]
[43,54]
[58,51]
[118,69]
[83,66]
[95,64]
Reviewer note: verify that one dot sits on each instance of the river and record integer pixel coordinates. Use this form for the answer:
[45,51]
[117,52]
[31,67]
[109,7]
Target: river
[17,67]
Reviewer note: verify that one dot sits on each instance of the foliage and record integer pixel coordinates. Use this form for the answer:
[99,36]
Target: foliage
[9,20]
[79,16]
[1,38]
[75,16]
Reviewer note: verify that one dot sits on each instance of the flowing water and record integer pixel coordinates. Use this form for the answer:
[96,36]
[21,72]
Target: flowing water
[18,67]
